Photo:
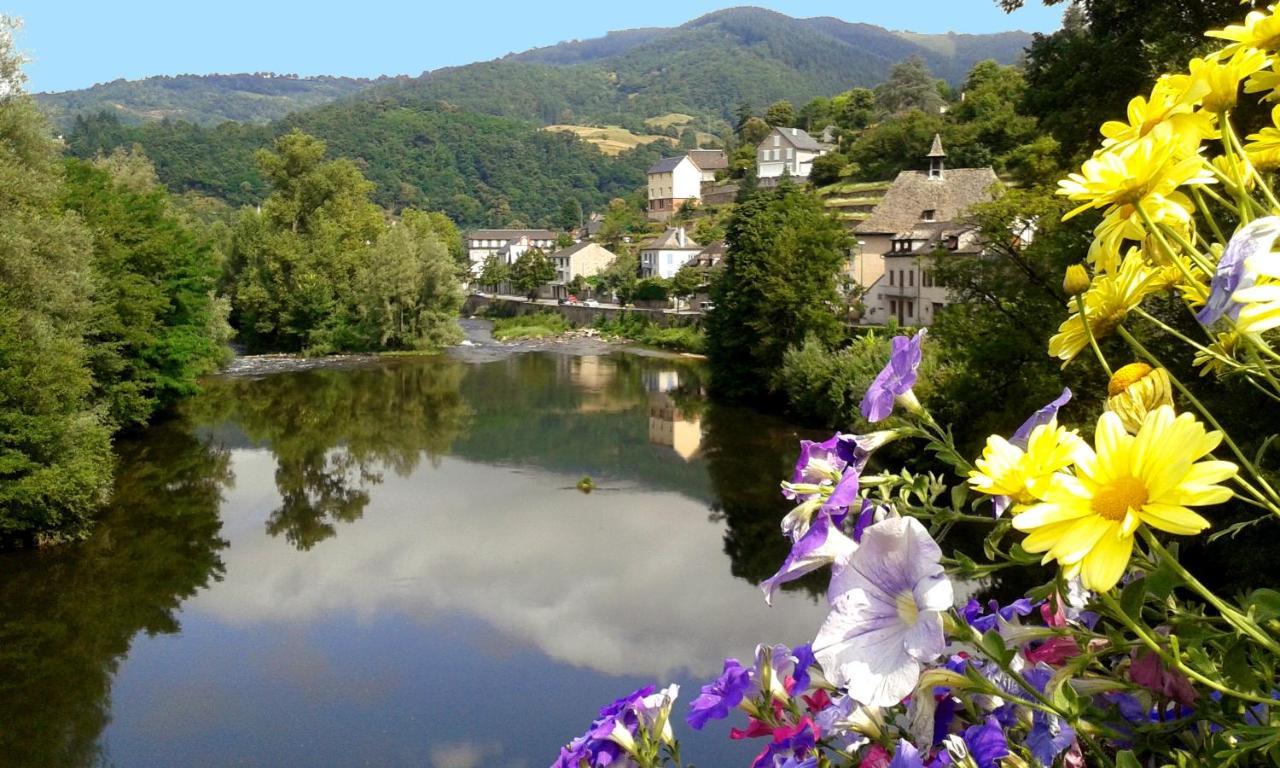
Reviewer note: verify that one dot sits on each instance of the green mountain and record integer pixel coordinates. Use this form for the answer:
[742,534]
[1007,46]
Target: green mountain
[706,67]
[202,99]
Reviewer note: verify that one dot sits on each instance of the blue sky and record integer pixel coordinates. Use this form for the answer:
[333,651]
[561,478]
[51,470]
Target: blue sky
[77,43]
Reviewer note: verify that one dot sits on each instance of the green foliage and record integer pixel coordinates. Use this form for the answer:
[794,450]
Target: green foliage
[532,270]
[824,387]
[318,269]
[621,276]
[535,326]
[687,280]
[777,289]
[910,86]
[494,272]
[780,114]
[55,452]
[201,99]
[652,289]
[156,326]
[634,326]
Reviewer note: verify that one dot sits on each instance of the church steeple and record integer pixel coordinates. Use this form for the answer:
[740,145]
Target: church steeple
[937,158]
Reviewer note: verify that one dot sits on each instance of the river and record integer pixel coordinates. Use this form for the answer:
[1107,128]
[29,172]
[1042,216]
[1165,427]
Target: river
[387,562]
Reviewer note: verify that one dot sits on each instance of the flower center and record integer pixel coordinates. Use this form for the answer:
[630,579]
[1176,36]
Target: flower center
[1115,500]
[908,611]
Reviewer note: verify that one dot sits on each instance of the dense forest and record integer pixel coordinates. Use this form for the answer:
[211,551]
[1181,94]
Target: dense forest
[201,99]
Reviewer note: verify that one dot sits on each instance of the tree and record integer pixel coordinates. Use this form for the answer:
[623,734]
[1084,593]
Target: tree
[532,270]
[570,216]
[827,169]
[494,271]
[55,450]
[753,132]
[777,288]
[156,327]
[621,219]
[621,275]
[910,86]
[855,109]
[780,114]
[897,144]
[687,280]
[297,260]
[410,292]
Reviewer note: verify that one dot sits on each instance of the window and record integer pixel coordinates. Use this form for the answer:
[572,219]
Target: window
[911,309]
[891,278]
[893,307]
[901,280]
[791,153]
[911,278]
[777,140]
[929,215]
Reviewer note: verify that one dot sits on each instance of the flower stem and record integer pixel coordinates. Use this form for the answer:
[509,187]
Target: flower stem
[1088,332]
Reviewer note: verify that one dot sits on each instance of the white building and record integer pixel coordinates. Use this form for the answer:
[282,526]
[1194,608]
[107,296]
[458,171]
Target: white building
[483,243]
[665,254]
[673,183]
[787,151]
[920,220]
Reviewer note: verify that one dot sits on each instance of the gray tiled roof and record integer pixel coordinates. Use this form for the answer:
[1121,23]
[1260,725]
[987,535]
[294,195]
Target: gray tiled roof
[511,234]
[913,193]
[666,164]
[667,242]
[797,137]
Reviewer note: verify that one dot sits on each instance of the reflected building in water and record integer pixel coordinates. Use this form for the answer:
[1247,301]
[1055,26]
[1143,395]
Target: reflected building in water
[669,423]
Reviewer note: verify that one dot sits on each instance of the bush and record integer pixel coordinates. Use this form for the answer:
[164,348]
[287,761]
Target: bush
[637,328]
[536,326]
[652,289]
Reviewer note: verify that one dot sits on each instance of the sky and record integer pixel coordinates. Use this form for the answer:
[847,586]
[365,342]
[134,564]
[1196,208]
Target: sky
[76,43]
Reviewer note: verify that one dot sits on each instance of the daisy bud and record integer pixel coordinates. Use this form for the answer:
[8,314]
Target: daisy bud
[1135,390]
[1076,281]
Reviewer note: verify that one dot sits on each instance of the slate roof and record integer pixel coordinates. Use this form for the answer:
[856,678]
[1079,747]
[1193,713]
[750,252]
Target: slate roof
[937,150]
[709,159]
[666,164]
[914,192]
[511,234]
[667,242]
[798,138]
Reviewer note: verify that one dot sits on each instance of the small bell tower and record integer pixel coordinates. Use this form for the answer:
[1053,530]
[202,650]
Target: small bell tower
[937,158]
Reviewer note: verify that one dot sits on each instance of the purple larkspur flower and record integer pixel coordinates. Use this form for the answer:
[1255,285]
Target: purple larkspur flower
[887,597]
[895,380]
[984,621]
[1255,238]
[719,696]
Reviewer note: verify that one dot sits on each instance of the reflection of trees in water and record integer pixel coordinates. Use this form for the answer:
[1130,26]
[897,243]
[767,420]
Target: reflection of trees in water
[747,456]
[332,431]
[70,613]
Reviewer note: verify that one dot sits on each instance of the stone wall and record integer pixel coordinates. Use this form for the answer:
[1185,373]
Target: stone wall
[579,315]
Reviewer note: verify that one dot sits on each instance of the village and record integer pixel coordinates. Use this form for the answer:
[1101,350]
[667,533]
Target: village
[898,230]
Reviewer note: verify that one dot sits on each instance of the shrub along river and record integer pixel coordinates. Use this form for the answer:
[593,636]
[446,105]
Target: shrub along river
[387,562]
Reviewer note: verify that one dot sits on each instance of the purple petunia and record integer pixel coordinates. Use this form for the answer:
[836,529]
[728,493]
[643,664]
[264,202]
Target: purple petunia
[895,380]
[987,743]
[1049,737]
[906,756]
[816,462]
[791,743]
[1040,417]
[720,696]
[821,545]
[601,745]
[1256,237]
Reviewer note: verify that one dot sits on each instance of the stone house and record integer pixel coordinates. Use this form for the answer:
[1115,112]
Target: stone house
[920,219]
[709,161]
[586,259]
[665,254]
[673,183]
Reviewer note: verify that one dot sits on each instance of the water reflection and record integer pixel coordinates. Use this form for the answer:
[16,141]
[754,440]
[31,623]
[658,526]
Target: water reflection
[424,550]
[70,614]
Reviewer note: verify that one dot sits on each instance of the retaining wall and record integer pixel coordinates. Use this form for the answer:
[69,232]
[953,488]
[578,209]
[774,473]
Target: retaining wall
[579,314]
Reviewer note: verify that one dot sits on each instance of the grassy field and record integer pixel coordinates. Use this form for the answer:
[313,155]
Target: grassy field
[611,139]
[671,119]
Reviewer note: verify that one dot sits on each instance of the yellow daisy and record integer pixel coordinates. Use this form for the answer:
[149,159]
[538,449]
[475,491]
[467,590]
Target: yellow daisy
[1172,104]
[1086,521]
[1263,147]
[1261,310]
[1136,390]
[1220,76]
[1109,299]
[1259,30]
[1215,359]
[1007,470]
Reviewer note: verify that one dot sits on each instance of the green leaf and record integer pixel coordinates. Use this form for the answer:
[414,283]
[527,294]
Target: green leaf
[1264,604]
[993,645]
[1132,596]
[1162,581]
[1126,759]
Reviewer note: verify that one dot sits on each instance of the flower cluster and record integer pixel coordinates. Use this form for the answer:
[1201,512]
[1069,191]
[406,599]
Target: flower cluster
[1121,656]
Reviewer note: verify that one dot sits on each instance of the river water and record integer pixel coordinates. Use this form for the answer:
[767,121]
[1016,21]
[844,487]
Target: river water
[387,562]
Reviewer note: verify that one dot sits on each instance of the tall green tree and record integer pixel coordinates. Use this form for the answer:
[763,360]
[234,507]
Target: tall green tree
[494,272]
[409,290]
[532,270]
[910,86]
[779,286]
[55,450]
[780,114]
[298,258]
[156,326]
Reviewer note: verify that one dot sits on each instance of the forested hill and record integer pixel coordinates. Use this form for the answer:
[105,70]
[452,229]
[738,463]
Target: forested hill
[706,67]
[479,169]
[202,99]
